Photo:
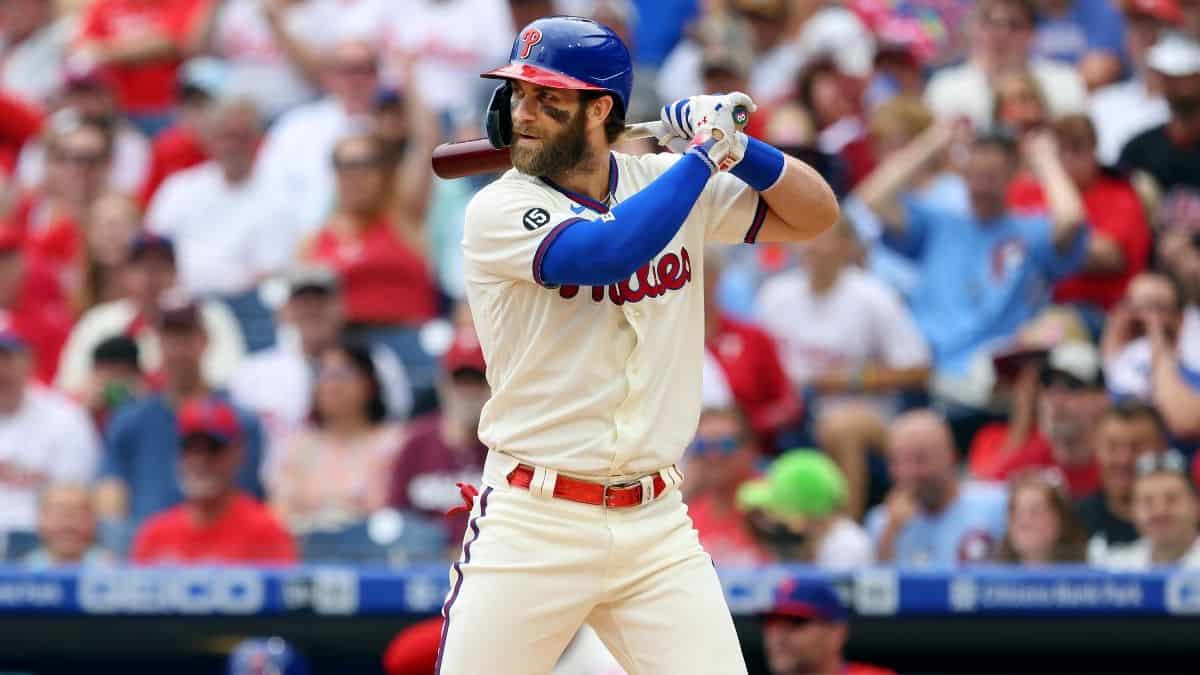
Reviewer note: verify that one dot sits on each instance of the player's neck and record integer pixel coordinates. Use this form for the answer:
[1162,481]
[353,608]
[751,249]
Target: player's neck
[590,177]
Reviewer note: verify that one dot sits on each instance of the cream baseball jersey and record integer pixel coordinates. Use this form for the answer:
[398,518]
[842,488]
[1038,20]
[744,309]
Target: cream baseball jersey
[593,381]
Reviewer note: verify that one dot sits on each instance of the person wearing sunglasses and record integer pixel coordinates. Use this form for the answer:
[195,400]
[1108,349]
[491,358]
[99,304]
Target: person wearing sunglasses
[216,523]
[806,630]
[1166,508]
[718,461]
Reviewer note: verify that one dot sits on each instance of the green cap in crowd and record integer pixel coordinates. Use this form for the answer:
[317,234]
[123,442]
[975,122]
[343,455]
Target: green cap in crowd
[798,483]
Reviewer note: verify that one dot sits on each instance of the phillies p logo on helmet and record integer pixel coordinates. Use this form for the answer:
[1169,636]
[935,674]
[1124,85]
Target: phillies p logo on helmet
[529,38]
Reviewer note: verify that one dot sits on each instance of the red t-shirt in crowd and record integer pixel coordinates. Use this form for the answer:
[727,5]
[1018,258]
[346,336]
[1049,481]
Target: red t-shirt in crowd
[246,533]
[49,236]
[987,463]
[384,279]
[19,121]
[147,87]
[724,534]
[1113,210]
[41,316]
[175,149]
[750,361]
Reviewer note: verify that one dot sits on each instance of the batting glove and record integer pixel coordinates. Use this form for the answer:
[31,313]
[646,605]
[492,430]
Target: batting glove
[721,151]
[685,117]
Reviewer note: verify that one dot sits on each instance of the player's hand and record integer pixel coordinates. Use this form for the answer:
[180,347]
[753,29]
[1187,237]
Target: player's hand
[684,118]
[720,150]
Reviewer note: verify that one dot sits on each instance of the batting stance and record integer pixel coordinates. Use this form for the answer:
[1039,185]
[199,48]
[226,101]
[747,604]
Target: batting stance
[584,272]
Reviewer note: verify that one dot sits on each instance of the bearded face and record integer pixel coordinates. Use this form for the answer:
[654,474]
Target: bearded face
[543,152]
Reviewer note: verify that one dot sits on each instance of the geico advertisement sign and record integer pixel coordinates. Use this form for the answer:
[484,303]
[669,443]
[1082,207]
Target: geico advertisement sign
[182,591]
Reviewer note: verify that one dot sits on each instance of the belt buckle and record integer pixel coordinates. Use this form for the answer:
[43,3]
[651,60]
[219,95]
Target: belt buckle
[620,486]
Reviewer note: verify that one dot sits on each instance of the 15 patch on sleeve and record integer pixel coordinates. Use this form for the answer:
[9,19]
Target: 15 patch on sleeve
[535,218]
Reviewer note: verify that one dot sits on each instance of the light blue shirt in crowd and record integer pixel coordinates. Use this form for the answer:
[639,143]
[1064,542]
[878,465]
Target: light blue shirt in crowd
[969,529]
[979,282]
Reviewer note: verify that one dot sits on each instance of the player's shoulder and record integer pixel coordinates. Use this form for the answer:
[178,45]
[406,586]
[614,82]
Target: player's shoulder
[512,187]
[652,163]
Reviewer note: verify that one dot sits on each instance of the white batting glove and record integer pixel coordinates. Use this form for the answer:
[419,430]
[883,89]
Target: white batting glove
[721,151]
[685,117]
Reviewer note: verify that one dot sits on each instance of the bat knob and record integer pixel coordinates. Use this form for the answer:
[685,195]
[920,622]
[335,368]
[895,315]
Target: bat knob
[741,116]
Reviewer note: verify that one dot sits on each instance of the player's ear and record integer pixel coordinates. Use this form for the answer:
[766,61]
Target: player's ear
[599,108]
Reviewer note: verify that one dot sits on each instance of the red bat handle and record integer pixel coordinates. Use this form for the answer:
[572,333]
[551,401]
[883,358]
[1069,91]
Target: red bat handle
[468,158]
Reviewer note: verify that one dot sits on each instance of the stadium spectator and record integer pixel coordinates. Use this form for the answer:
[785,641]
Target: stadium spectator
[1119,245]
[797,514]
[142,46]
[295,154]
[786,36]
[848,341]
[1151,353]
[805,632]
[1170,152]
[116,379]
[44,437]
[1058,395]
[277,383]
[931,518]
[111,224]
[443,448]
[33,46]
[229,228]
[32,303]
[1124,109]
[66,522]
[1042,526]
[1125,433]
[749,365]
[1166,509]
[1082,33]
[1178,252]
[374,240]
[439,47]
[252,238]
[179,147]
[832,99]
[334,472]
[272,48]
[216,523]
[138,472]
[148,276]
[88,96]
[1001,36]
[985,273]
[1020,105]
[891,127]
[721,458]
[78,157]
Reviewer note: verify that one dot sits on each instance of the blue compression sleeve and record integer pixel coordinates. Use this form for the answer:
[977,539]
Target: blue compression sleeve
[761,166]
[611,249]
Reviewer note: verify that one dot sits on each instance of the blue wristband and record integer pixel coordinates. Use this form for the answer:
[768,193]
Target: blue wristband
[761,166]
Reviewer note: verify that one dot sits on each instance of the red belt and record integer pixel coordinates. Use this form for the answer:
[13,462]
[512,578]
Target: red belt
[585,492]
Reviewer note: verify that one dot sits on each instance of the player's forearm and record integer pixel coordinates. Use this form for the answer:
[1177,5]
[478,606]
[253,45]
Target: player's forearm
[1063,202]
[612,248]
[802,200]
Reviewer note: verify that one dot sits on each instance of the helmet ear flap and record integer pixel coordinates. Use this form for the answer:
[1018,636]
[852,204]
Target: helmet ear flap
[498,122]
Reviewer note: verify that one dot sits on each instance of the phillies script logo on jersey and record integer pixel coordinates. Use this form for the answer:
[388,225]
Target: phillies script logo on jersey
[671,273]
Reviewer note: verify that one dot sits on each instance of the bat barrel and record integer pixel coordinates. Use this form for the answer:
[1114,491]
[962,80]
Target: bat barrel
[469,158]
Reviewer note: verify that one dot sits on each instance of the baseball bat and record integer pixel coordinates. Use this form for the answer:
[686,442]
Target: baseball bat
[476,156]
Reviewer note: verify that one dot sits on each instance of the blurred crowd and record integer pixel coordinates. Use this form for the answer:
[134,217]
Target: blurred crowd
[232,325]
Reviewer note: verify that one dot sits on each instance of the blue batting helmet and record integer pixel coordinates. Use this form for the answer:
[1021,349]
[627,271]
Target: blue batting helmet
[270,656]
[568,52]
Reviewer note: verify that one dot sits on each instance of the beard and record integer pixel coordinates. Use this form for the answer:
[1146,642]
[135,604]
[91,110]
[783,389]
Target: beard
[557,154]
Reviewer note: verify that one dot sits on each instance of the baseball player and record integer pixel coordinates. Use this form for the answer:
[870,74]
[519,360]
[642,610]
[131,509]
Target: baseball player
[584,271]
